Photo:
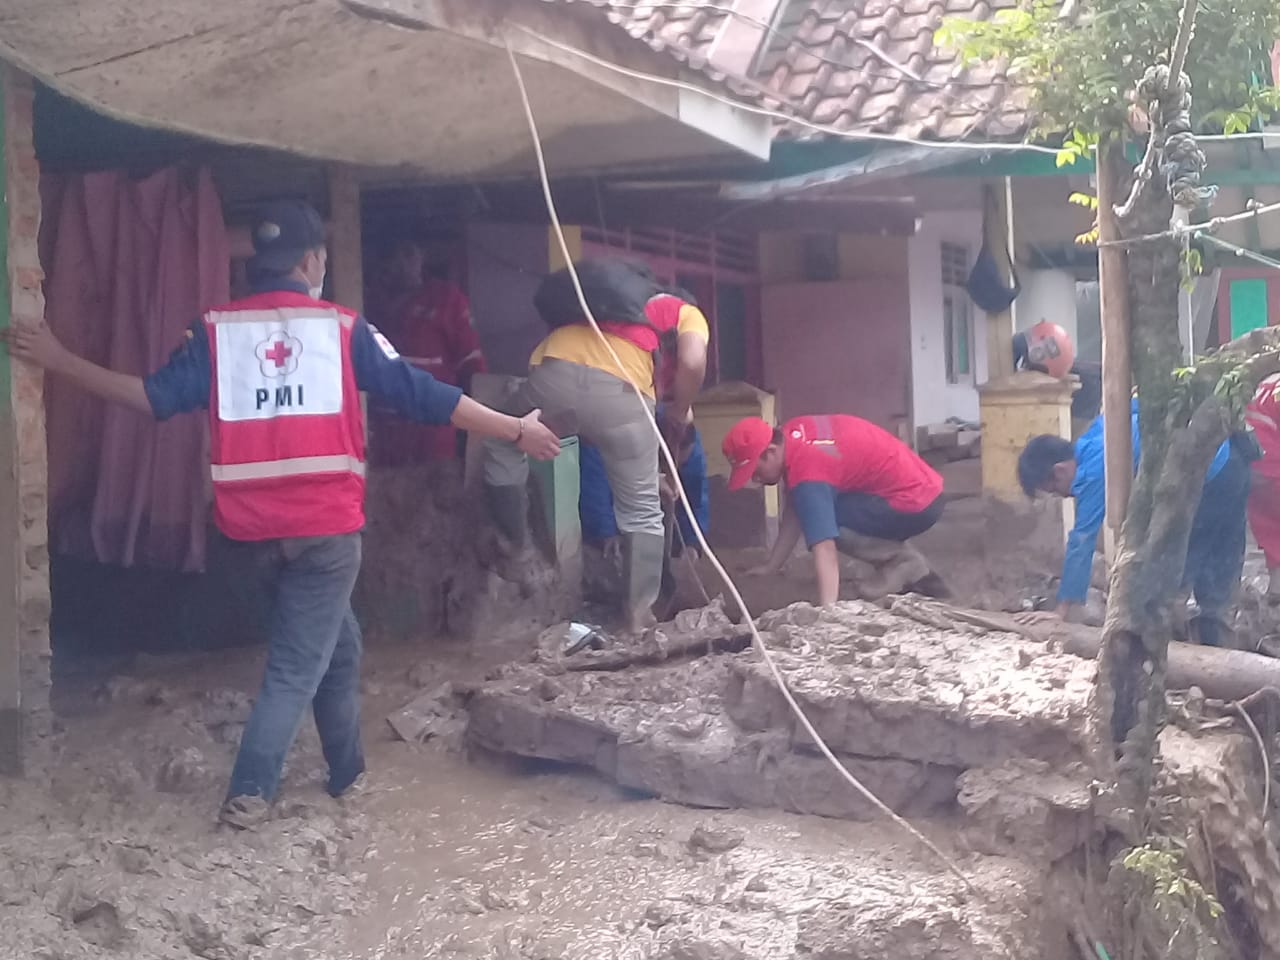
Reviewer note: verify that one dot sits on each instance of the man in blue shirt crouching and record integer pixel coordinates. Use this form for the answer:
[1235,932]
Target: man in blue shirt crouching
[1215,551]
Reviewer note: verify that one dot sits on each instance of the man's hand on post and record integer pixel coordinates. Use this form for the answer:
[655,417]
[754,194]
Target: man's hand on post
[35,343]
[537,439]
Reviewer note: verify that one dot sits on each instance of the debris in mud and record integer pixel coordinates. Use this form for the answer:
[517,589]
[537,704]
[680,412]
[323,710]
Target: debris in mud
[185,771]
[99,924]
[432,567]
[437,714]
[713,840]
[1026,807]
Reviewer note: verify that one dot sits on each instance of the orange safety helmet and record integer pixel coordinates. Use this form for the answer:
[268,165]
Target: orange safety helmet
[1048,346]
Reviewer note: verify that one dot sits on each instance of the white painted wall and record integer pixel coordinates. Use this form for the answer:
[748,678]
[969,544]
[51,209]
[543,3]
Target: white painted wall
[1047,295]
[933,399]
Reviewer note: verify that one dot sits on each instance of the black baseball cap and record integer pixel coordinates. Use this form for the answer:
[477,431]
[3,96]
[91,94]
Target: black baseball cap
[283,232]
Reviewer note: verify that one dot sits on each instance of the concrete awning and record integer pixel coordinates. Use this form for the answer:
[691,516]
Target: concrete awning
[422,86]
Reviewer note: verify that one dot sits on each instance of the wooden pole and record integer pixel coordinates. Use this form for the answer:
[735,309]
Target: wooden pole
[1117,379]
[346,250]
[998,233]
[346,256]
[10,633]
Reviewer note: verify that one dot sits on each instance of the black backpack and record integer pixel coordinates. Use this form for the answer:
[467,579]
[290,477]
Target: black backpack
[616,290]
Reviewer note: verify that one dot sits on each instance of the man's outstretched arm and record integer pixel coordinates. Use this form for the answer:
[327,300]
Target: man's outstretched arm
[36,344]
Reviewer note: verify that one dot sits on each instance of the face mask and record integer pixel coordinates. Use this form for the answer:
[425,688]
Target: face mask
[315,292]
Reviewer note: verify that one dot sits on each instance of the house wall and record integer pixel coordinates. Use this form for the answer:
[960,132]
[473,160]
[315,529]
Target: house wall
[505,263]
[1040,217]
[1048,295]
[933,399]
[24,566]
[837,346]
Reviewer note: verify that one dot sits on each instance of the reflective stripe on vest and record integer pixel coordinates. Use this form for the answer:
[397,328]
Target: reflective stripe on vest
[295,467]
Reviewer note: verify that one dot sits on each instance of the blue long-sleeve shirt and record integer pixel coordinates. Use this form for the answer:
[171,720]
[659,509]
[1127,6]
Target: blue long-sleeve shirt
[184,383]
[1089,490]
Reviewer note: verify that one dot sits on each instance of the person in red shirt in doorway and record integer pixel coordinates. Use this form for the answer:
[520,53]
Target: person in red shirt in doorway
[428,320]
[852,487]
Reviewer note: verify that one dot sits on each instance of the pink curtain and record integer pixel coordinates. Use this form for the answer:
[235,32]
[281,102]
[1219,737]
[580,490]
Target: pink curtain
[130,264]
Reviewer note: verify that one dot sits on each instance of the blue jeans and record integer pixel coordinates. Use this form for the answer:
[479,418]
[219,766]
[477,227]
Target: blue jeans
[1215,550]
[313,657]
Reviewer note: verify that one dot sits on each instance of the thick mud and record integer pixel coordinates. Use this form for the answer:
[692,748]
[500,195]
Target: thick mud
[108,848]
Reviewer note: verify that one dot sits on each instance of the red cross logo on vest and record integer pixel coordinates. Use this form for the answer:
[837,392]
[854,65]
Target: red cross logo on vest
[278,354]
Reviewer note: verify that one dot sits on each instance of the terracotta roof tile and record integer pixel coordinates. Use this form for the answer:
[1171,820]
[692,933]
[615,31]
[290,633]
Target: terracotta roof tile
[684,30]
[866,65]
[888,75]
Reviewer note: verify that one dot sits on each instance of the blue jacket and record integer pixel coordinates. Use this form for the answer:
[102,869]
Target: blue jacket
[1089,491]
[595,500]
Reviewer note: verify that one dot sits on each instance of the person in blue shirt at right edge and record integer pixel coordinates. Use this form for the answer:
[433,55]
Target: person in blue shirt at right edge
[1215,551]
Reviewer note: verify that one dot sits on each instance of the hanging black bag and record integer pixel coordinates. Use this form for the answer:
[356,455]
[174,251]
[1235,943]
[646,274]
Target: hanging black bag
[986,286]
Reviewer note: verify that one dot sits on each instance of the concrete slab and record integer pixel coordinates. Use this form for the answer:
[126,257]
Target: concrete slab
[879,685]
[908,710]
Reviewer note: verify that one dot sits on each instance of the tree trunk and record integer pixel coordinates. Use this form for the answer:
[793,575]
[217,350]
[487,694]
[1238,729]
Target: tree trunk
[1146,582]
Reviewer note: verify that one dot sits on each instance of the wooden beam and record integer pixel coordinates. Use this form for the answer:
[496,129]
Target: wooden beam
[1117,382]
[346,251]
[999,236]
[10,642]
[346,247]
[24,560]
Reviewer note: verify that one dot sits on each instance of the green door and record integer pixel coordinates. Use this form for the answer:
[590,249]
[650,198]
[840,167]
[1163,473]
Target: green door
[1248,299]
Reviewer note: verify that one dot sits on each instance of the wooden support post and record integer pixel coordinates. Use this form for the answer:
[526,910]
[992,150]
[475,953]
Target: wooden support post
[10,640]
[24,558]
[1000,239]
[346,250]
[1117,377]
[346,254]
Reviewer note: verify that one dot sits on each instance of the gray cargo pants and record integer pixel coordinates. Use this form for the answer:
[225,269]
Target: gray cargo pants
[604,411]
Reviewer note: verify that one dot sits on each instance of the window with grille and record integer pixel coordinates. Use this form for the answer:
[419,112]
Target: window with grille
[957,313]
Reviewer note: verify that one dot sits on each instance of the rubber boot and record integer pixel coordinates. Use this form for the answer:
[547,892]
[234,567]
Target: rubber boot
[898,564]
[642,555]
[874,550]
[907,567]
[517,559]
[509,510]
[865,579]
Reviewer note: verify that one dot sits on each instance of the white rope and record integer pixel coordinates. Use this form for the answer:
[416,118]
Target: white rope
[992,147]
[667,456]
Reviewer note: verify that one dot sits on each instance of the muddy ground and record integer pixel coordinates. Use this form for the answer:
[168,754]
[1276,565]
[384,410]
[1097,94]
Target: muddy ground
[109,848]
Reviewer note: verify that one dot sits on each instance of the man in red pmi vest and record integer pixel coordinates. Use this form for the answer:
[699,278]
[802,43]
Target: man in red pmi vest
[280,374]
[852,487]
[582,389]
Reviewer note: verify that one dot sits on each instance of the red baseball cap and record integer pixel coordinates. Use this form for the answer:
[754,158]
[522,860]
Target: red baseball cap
[743,445]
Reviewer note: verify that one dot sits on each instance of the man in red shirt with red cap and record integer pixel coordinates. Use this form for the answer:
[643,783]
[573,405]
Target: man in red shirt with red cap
[850,486]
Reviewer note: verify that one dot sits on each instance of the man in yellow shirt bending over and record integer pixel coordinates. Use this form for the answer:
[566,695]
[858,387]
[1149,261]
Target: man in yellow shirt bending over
[661,338]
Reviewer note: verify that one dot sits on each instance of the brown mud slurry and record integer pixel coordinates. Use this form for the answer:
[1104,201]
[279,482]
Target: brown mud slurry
[109,849]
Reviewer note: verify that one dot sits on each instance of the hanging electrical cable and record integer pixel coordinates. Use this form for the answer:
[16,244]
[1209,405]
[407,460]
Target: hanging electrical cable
[670,460]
